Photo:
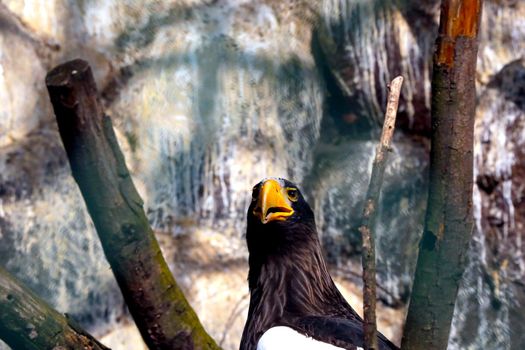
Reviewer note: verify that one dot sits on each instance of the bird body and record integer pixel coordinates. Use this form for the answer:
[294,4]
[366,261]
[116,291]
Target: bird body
[290,286]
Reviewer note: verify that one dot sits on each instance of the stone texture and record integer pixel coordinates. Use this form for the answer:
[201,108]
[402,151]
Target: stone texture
[208,97]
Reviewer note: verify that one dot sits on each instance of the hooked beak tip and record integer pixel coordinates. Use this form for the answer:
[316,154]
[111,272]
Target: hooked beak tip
[272,204]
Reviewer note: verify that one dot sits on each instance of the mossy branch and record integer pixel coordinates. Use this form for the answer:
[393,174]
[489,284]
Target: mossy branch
[28,322]
[157,304]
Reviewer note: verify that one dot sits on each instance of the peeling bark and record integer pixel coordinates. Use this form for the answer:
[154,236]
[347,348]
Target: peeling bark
[157,304]
[449,222]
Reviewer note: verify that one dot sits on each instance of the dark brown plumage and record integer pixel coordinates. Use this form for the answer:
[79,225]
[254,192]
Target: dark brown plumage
[288,278]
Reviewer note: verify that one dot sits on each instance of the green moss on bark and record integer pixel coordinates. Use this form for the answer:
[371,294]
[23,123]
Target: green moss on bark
[28,322]
[157,304]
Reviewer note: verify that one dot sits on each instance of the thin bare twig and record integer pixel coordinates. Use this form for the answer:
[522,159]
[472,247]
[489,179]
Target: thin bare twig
[372,196]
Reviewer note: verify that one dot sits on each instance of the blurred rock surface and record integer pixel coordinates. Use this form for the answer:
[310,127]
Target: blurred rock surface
[208,97]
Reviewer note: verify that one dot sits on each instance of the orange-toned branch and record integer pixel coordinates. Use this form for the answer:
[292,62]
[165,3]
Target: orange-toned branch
[448,221]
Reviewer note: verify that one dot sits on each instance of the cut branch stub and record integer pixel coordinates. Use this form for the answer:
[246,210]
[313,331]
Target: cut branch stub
[157,304]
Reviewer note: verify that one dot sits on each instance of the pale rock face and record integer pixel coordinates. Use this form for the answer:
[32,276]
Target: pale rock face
[224,110]
[209,97]
[21,74]
[502,33]
[209,103]
[41,16]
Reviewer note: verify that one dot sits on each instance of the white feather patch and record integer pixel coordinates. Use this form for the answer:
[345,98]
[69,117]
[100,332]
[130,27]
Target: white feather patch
[286,338]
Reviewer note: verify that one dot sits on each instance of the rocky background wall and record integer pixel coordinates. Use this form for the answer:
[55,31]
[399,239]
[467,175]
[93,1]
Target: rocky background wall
[208,97]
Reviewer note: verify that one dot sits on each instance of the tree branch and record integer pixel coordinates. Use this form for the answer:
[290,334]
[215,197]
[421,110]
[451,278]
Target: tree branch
[157,304]
[448,222]
[372,197]
[28,322]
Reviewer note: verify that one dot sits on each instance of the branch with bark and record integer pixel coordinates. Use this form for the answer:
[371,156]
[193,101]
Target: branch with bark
[158,306]
[369,211]
[28,322]
[448,222]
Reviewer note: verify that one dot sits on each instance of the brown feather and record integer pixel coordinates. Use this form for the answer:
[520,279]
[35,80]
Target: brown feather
[290,284]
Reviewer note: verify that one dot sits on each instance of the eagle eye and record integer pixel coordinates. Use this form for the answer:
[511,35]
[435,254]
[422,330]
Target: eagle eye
[293,194]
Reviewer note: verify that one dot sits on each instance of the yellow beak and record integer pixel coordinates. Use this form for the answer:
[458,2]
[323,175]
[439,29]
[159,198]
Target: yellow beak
[272,204]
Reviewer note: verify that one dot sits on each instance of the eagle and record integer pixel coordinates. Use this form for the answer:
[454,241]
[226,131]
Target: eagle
[294,303]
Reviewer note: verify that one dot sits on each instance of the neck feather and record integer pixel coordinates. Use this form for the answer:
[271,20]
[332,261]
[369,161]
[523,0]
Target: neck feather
[288,285]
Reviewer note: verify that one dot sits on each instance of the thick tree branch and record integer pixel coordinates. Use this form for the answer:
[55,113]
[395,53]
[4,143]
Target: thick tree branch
[372,197]
[448,222]
[28,322]
[157,304]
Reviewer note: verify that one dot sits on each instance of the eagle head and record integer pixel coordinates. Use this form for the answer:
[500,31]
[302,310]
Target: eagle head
[279,219]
